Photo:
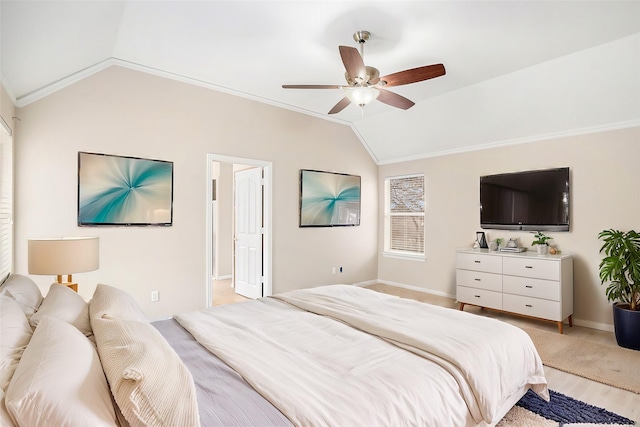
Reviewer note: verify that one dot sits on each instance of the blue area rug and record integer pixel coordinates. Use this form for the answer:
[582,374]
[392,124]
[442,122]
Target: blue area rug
[567,410]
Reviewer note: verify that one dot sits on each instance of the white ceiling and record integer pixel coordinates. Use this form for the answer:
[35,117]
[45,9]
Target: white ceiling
[251,48]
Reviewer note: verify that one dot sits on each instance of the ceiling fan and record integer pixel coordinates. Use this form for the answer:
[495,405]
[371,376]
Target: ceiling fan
[365,83]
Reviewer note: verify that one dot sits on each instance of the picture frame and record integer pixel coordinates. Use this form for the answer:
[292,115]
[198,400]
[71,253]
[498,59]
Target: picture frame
[329,199]
[118,190]
[482,240]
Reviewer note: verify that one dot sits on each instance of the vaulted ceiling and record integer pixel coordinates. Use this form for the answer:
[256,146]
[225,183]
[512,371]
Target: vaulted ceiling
[515,70]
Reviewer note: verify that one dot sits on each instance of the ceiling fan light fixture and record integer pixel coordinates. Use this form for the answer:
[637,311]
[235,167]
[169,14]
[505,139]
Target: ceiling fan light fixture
[362,95]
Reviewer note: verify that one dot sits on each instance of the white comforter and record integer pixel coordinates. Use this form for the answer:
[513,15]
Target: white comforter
[453,368]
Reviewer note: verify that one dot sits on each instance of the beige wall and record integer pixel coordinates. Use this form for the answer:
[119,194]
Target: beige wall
[605,193]
[121,111]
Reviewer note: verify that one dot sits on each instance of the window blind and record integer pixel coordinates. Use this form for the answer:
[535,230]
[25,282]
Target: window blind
[404,214]
[6,204]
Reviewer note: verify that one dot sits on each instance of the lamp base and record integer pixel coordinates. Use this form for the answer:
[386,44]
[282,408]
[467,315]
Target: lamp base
[68,284]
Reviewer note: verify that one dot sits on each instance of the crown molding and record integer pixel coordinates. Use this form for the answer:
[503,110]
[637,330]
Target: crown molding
[109,62]
[535,138]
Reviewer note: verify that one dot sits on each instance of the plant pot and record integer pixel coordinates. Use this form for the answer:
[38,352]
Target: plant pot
[542,249]
[627,326]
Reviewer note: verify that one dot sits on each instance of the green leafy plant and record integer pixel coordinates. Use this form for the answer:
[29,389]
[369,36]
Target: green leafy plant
[621,266]
[541,239]
[499,241]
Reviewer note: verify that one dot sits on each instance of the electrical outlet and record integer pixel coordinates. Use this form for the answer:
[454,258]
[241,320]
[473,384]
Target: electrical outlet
[155,296]
[333,270]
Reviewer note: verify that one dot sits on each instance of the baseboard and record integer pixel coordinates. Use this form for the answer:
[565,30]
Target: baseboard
[593,325]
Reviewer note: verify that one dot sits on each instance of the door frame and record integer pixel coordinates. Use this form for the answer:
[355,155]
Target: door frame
[267,168]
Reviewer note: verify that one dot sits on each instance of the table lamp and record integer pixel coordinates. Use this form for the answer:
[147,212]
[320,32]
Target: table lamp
[63,255]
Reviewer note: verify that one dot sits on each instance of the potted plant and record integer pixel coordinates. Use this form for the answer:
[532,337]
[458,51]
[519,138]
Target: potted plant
[620,268]
[541,242]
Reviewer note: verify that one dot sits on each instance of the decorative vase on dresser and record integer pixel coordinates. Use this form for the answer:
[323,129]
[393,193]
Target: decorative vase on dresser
[524,283]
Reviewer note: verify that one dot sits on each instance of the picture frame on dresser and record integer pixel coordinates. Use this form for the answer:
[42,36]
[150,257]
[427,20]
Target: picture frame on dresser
[520,283]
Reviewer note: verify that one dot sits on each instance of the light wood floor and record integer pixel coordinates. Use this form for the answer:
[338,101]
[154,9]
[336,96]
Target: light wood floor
[614,399]
[223,293]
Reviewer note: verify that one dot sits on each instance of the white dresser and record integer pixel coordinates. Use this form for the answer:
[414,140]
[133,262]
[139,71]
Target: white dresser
[525,283]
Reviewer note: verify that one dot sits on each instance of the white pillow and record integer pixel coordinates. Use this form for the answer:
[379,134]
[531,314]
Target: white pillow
[150,384]
[115,303]
[63,303]
[5,418]
[24,291]
[15,334]
[59,381]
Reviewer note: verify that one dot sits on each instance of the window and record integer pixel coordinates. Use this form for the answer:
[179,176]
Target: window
[404,216]
[6,201]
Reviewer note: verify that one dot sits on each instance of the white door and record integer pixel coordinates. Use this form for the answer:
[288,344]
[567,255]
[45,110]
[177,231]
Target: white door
[248,230]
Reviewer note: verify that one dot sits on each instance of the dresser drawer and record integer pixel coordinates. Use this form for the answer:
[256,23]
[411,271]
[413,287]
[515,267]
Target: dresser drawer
[479,279]
[481,297]
[536,288]
[479,262]
[535,268]
[535,307]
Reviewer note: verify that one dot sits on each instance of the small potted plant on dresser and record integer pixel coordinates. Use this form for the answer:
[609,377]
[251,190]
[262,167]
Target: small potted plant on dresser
[620,268]
[541,242]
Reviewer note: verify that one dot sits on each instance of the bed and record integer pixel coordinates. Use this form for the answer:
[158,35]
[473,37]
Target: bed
[334,355]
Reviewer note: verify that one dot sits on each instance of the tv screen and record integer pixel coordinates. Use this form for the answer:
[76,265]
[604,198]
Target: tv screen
[530,200]
[329,199]
[127,191]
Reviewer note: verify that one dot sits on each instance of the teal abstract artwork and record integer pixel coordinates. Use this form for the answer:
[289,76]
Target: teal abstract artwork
[329,199]
[117,190]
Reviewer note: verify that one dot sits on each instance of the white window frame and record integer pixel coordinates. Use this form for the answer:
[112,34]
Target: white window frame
[394,253]
[6,200]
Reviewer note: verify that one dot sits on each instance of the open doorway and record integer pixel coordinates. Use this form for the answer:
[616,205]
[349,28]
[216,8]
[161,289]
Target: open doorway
[238,237]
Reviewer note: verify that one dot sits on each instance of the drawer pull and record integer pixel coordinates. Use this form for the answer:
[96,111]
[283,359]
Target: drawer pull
[477,262]
[528,286]
[528,305]
[477,280]
[477,296]
[528,266]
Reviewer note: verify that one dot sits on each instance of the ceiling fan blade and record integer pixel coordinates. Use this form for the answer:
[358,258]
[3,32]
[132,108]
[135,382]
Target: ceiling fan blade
[311,86]
[340,105]
[395,100]
[353,62]
[414,75]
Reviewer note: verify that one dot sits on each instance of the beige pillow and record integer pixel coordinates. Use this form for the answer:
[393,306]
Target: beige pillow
[24,291]
[63,303]
[150,384]
[59,381]
[114,302]
[15,334]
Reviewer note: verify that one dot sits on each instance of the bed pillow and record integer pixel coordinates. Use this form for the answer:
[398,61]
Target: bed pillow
[5,418]
[115,303]
[150,383]
[59,381]
[24,291]
[63,303]
[15,334]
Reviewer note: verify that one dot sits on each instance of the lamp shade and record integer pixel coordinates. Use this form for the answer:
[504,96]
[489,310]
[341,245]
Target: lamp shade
[362,95]
[66,255]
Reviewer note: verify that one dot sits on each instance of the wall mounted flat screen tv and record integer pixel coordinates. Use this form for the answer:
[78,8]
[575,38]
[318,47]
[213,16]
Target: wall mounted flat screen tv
[329,199]
[530,200]
[126,191]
